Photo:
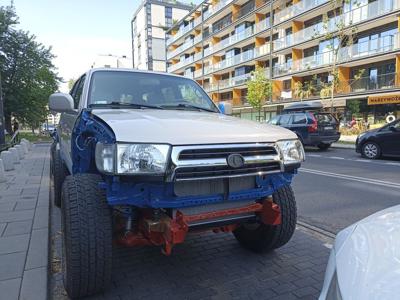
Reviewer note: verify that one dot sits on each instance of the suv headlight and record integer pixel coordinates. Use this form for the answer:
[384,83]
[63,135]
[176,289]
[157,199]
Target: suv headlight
[292,151]
[141,159]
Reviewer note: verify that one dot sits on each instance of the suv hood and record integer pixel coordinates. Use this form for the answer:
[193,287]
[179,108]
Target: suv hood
[177,127]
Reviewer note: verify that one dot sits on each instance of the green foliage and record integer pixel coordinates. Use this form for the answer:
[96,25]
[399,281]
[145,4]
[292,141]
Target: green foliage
[71,83]
[27,72]
[353,106]
[259,89]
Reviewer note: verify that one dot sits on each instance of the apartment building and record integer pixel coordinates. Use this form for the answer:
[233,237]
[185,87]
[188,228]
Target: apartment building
[220,42]
[149,24]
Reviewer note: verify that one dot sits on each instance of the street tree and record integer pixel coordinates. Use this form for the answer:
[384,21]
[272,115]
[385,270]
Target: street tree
[28,75]
[339,31]
[259,89]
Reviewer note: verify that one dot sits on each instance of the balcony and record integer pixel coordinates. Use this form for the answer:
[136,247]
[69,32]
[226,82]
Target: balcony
[215,8]
[231,82]
[263,25]
[360,50]
[180,64]
[360,14]
[238,59]
[184,46]
[370,83]
[296,9]
[248,32]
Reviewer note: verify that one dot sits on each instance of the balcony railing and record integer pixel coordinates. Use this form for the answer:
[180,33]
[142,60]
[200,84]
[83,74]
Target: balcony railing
[231,61]
[379,82]
[215,8]
[263,25]
[184,46]
[296,9]
[345,54]
[352,17]
[231,82]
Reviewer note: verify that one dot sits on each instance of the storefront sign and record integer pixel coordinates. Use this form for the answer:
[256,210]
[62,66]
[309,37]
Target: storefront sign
[387,99]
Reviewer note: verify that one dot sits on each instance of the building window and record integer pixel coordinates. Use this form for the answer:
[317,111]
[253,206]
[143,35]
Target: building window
[168,16]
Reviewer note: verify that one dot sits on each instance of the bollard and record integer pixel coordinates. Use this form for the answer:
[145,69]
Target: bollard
[14,153]
[8,160]
[2,173]
[25,147]
[20,151]
[28,143]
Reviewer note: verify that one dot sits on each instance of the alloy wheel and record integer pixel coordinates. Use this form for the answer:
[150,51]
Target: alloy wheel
[371,150]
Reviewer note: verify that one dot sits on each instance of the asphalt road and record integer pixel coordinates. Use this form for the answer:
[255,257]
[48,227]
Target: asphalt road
[337,187]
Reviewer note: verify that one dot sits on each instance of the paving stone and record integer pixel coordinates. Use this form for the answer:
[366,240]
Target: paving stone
[38,249]
[7,206]
[9,289]
[17,215]
[34,284]
[11,244]
[16,228]
[24,205]
[41,219]
[12,265]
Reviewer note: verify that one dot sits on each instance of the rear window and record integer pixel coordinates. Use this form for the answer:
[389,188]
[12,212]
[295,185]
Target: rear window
[325,118]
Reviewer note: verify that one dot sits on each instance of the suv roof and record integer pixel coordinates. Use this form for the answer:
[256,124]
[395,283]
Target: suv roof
[303,106]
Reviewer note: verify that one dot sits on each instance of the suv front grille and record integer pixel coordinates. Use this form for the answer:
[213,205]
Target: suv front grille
[210,161]
[224,152]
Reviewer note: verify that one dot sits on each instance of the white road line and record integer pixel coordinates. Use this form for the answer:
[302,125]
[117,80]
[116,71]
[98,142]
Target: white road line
[392,164]
[364,160]
[353,178]
[336,157]
[314,155]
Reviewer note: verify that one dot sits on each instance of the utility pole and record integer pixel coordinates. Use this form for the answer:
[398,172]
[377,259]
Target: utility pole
[2,127]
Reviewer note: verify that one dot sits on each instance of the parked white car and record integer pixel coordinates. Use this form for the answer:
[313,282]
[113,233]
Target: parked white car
[365,260]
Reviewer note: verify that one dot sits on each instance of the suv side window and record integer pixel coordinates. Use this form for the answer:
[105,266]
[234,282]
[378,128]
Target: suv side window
[274,120]
[285,119]
[78,91]
[299,119]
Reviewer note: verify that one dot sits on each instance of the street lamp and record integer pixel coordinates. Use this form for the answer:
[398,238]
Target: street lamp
[2,136]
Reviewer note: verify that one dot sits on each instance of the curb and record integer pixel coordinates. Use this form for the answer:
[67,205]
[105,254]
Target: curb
[324,233]
[343,146]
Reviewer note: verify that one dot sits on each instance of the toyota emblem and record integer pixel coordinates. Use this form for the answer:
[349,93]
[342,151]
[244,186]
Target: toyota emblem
[235,160]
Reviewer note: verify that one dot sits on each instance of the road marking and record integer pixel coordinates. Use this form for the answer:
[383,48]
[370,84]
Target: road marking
[353,178]
[364,160]
[314,155]
[392,164]
[335,157]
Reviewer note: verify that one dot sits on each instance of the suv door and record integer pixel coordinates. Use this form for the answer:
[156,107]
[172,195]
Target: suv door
[299,125]
[67,122]
[389,139]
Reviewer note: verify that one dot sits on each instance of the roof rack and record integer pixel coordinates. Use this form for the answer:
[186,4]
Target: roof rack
[304,106]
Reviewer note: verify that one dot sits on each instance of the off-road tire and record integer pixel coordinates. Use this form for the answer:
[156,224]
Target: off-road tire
[323,146]
[367,150]
[59,174]
[262,237]
[87,236]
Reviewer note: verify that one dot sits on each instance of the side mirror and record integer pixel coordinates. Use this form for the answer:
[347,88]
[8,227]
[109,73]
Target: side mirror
[60,102]
[225,108]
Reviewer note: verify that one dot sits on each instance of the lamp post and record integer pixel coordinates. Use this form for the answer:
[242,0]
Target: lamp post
[2,136]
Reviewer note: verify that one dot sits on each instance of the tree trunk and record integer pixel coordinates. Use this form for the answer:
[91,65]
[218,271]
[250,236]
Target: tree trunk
[8,125]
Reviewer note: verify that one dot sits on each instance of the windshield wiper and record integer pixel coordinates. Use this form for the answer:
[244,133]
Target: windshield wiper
[115,104]
[187,105]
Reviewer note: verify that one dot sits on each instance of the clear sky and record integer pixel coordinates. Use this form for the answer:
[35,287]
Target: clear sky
[78,30]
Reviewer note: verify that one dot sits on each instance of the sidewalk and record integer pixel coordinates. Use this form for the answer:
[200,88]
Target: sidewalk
[24,227]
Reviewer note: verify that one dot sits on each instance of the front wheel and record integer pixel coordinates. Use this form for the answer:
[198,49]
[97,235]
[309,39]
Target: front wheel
[260,237]
[87,236]
[371,150]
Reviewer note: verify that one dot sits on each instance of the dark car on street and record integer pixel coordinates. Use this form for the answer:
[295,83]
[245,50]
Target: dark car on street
[384,141]
[313,126]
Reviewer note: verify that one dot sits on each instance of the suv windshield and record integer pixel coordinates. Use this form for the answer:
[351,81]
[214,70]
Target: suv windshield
[147,90]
